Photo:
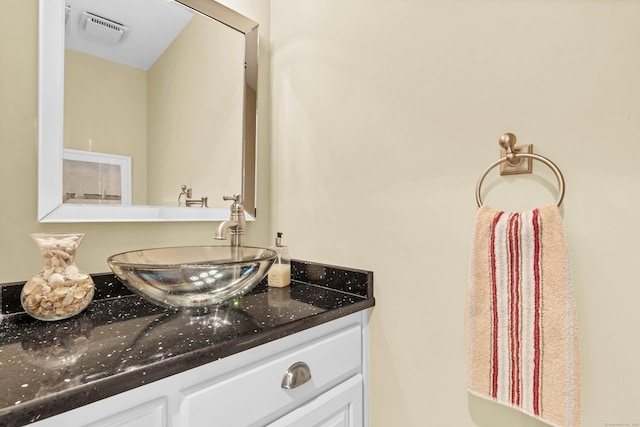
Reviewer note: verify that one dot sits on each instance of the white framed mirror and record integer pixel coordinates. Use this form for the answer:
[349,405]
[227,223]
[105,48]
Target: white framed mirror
[222,159]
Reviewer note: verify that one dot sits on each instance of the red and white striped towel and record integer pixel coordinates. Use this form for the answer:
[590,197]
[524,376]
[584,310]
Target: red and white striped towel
[521,334]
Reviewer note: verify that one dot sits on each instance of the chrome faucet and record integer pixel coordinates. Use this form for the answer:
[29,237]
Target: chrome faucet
[235,223]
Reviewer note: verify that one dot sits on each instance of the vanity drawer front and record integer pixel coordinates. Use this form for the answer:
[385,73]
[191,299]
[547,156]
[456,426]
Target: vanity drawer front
[256,395]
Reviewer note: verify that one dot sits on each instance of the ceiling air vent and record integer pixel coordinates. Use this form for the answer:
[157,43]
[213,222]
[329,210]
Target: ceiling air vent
[102,29]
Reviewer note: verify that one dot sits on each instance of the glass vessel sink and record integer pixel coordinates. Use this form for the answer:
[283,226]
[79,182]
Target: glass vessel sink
[192,277]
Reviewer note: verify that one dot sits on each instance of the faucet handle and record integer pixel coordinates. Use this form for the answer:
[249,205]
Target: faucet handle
[236,207]
[237,198]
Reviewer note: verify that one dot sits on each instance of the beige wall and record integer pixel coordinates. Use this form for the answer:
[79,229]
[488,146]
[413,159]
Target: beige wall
[109,117]
[386,112]
[19,257]
[205,99]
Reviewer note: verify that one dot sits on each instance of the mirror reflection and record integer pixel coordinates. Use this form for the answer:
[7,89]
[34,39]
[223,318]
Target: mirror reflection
[157,97]
[159,84]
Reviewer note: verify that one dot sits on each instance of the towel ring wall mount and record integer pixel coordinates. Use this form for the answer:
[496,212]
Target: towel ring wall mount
[508,142]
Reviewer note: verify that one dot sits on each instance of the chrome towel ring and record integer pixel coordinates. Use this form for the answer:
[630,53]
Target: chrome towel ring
[508,141]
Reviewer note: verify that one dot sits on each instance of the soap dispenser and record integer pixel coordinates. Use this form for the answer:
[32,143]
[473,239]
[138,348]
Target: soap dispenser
[280,272]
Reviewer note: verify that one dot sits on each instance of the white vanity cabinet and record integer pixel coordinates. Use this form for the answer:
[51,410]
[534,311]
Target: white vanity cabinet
[246,389]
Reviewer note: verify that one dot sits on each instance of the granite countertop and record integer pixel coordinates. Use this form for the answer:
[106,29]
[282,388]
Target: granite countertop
[121,341]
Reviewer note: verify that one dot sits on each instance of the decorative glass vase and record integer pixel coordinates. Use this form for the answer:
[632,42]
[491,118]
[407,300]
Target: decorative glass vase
[59,290]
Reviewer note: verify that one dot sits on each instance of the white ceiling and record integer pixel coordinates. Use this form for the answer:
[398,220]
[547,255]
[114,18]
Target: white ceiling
[152,26]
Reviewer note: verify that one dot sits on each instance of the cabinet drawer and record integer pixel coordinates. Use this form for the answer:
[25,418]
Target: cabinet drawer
[256,395]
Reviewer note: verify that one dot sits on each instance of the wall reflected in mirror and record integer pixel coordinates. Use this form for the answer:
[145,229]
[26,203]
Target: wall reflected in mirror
[160,84]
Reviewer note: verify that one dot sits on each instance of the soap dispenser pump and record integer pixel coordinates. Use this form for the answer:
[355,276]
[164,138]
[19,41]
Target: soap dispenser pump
[280,273]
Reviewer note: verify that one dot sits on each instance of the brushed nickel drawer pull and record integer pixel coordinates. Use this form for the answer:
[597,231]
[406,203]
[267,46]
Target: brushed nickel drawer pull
[297,374]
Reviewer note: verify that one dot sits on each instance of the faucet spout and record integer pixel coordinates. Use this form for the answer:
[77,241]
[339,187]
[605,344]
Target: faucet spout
[223,229]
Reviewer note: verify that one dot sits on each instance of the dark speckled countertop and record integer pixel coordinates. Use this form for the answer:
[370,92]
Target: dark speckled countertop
[121,341]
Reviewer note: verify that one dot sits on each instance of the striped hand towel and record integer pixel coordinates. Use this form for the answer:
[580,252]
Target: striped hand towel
[521,335]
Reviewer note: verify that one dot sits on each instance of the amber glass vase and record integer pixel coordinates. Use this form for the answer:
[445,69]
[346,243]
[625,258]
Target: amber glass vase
[59,290]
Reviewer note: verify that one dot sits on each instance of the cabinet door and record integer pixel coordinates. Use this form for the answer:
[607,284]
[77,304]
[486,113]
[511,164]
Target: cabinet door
[114,411]
[339,407]
[150,414]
